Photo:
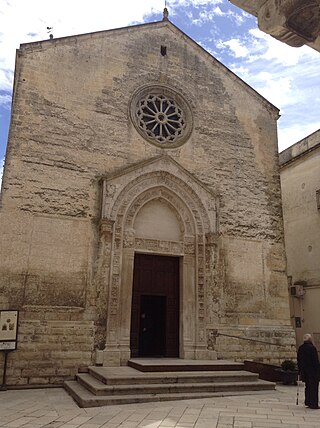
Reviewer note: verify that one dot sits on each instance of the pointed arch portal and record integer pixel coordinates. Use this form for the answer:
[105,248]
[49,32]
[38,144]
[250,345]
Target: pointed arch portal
[156,220]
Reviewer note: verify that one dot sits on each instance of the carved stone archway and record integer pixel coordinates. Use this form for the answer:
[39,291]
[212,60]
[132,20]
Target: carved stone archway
[124,195]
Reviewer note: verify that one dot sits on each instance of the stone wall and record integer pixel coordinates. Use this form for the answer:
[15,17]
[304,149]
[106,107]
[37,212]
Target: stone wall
[70,126]
[51,348]
[300,181]
[265,344]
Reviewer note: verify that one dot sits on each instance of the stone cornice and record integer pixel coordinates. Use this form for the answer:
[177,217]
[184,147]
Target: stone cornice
[300,149]
[294,22]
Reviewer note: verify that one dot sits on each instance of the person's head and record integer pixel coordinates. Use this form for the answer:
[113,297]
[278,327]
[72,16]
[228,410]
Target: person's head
[307,337]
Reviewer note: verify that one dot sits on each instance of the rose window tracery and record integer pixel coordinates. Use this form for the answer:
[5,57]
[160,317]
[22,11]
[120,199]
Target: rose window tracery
[161,116]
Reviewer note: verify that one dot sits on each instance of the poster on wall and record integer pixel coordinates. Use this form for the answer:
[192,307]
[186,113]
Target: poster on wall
[8,330]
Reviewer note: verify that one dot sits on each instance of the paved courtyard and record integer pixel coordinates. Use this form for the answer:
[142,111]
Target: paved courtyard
[54,408]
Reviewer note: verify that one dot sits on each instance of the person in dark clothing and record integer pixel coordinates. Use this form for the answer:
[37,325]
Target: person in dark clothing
[309,370]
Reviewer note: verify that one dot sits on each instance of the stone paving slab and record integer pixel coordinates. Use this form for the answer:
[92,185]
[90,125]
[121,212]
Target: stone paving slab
[54,408]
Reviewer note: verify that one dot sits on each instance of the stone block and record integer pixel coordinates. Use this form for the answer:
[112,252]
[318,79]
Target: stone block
[15,381]
[64,372]
[58,380]
[38,380]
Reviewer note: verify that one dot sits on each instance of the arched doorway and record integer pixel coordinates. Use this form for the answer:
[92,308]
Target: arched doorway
[156,209]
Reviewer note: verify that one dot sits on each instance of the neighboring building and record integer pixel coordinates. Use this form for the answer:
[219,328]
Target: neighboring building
[294,22]
[300,182]
[141,211]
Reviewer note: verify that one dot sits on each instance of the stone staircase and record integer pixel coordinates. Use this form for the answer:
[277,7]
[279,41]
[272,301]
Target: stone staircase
[173,379]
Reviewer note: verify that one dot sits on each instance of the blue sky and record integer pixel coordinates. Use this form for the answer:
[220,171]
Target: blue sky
[287,77]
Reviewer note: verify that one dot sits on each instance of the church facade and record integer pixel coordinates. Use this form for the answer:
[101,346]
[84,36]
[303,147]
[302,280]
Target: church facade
[141,209]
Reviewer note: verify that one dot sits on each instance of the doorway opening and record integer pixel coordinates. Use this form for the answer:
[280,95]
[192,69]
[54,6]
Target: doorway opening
[152,331]
[155,307]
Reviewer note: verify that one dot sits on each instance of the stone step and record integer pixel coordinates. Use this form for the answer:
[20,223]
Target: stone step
[85,398]
[99,388]
[127,376]
[119,385]
[177,364]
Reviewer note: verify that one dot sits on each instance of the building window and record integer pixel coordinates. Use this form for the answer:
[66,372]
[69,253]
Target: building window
[162,116]
[318,198]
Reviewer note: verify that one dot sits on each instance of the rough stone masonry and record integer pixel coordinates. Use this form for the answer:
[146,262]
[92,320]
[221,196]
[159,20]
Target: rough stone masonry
[137,141]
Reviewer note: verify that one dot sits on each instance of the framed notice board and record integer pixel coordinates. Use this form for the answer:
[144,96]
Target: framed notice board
[8,330]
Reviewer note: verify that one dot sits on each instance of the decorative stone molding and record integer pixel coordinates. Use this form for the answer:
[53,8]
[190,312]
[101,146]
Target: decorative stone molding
[294,22]
[106,228]
[148,176]
[304,20]
[291,21]
[195,208]
[155,246]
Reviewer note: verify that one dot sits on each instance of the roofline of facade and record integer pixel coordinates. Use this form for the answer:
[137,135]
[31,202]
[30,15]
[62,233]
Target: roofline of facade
[299,149]
[38,45]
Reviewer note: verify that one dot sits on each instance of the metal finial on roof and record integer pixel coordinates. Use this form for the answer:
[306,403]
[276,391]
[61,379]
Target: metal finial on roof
[50,32]
[165,14]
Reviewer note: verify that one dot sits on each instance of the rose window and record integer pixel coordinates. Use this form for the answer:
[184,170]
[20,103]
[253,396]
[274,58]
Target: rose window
[161,116]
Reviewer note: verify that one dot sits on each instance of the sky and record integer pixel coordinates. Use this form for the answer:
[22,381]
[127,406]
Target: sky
[287,77]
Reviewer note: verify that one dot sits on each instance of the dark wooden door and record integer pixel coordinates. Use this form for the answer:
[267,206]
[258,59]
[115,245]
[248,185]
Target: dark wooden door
[155,307]
[152,329]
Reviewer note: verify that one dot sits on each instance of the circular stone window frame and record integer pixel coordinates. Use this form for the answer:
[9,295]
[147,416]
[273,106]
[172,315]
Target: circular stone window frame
[179,101]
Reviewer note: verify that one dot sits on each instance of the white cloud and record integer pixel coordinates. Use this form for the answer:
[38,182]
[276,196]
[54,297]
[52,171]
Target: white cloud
[294,133]
[237,48]
[209,15]
[236,17]
[6,80]
[1,171]
[217,11]
[257,45]
[209,10]
[273,50]
[5,100]
[278,91]
[287,77]
[240,71]
[195,3]
[246,14]
[27,21]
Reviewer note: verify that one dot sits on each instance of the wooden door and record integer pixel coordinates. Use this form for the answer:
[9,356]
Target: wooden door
[152,329]
[155,307]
